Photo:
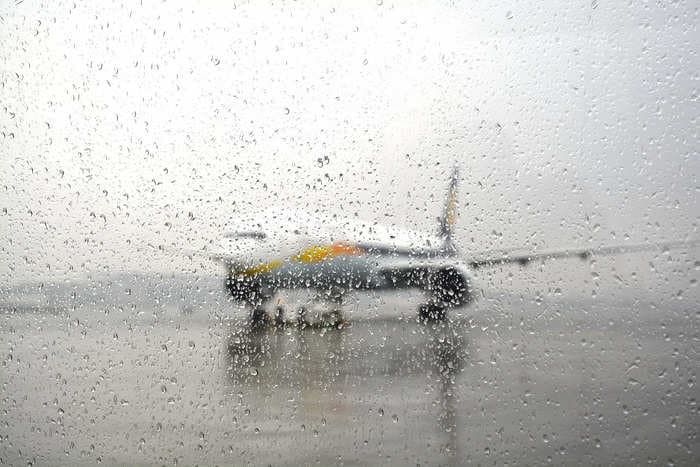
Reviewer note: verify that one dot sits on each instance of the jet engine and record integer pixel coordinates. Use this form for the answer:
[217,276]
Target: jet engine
[449,288]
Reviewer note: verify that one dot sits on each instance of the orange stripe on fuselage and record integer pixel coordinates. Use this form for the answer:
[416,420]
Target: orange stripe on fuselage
[318,253]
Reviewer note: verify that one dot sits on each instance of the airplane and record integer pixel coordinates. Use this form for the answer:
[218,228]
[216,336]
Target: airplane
[286,249]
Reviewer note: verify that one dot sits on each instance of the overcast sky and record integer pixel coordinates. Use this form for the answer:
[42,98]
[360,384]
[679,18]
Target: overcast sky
[124,124]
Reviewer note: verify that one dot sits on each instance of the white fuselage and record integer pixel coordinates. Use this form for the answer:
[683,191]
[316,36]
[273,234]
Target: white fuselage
[279,235]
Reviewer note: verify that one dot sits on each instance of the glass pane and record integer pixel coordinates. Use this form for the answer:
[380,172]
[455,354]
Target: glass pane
[429,233]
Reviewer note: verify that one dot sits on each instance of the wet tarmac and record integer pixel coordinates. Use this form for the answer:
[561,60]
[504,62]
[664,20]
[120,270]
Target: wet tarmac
[507,381]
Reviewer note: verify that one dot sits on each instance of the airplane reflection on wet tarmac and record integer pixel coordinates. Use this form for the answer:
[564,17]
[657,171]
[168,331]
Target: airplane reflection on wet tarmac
[315,364]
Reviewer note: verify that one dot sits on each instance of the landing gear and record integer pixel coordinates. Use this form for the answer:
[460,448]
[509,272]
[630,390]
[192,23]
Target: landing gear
[446,289]
[301,318]
[430,312]
[258,317]
[324,309]
[334,318]
[325,319]
[279,316]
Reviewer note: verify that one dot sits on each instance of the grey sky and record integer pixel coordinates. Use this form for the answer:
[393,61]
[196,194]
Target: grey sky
[159,123]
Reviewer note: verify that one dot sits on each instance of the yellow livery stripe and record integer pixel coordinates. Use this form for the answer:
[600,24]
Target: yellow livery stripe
[263,267]
[312,254]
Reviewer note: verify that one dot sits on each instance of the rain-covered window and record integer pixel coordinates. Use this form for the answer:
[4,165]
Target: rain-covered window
[349,233]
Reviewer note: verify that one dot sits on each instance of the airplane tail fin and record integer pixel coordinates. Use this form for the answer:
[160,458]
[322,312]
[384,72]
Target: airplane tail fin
[449,215]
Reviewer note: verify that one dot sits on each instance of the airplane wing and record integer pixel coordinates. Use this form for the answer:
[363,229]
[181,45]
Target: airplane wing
[493,259]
